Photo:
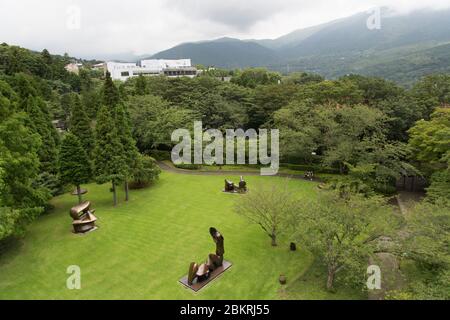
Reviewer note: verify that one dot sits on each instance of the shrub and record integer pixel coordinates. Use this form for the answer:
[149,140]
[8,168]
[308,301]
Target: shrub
[145,172]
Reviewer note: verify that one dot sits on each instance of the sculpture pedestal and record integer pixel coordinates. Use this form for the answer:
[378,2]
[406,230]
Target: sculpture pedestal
[196,286]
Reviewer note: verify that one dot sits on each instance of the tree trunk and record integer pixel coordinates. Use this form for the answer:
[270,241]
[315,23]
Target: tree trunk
[330,280]
[114,193]
[273,236]
[126,190]
[80,199]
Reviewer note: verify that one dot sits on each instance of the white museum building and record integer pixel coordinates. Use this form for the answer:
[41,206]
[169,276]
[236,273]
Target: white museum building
[152,67]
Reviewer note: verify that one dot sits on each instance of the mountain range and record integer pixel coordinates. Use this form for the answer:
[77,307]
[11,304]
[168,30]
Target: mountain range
[404,48]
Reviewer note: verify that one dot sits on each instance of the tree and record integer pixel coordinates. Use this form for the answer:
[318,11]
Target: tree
[109,163]
[110,93]
[145,171]
[440,186]
[381,164]
[341,232]
[346,130]
[342,92]
[130,153]
[335,134]
[126,146]
[268,99]
[140,86]
[40,122]
[300,134]
[402,112]
[20,202]
[74,167]
[153,121]
[427,243]
[303,78]
[80,126]
[86,83]
[31,102]
[253,77]
[431,92]
[91,101]
[429,238]
[430,140]
[48,61]
[216,112]
[267,206]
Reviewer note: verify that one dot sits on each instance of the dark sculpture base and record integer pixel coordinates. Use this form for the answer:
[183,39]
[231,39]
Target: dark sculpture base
[196,286]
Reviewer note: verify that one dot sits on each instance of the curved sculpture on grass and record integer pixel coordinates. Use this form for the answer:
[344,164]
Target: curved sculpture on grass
[83,217]
[201,271]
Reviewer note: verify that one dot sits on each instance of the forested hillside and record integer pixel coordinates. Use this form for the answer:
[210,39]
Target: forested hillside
[404,49]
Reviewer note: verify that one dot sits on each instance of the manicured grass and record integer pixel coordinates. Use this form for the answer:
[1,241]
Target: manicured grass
[253,169]
[144,246]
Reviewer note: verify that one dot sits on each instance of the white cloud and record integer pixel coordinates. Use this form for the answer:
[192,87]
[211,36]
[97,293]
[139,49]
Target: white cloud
[117,26]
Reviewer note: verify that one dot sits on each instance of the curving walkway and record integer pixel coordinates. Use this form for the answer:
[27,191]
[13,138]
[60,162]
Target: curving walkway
[166,167]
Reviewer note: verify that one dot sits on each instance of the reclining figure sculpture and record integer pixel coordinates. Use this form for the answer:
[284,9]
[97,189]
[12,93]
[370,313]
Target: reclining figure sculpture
[215,260]
[83,217]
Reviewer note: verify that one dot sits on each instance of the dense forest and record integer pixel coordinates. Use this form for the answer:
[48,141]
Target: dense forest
[367,132]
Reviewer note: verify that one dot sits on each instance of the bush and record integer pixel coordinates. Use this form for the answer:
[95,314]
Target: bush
[306,167]
[145,172]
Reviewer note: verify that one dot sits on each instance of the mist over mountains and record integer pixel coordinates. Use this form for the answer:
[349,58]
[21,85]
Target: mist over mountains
[405,48]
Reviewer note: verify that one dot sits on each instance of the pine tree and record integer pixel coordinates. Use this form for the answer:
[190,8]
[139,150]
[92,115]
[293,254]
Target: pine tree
[39,121]
[19,166]
[80,125]
[47,57]
[73,163]
[108,153]
[130,152]
[110,93]
[48,63]
[66,102]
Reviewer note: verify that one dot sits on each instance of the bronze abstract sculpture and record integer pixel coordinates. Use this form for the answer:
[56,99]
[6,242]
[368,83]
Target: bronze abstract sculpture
[83,217]
[309,175]
[242,185]
[229,186]
[232,188]
[201,272]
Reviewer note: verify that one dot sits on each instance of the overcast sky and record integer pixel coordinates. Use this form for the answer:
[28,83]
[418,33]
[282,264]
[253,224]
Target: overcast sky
[92,28]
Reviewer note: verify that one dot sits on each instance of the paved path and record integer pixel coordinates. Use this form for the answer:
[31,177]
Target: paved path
[170,168]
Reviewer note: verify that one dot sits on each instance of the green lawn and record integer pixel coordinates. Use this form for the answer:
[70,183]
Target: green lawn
[253,169]
[143,247]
